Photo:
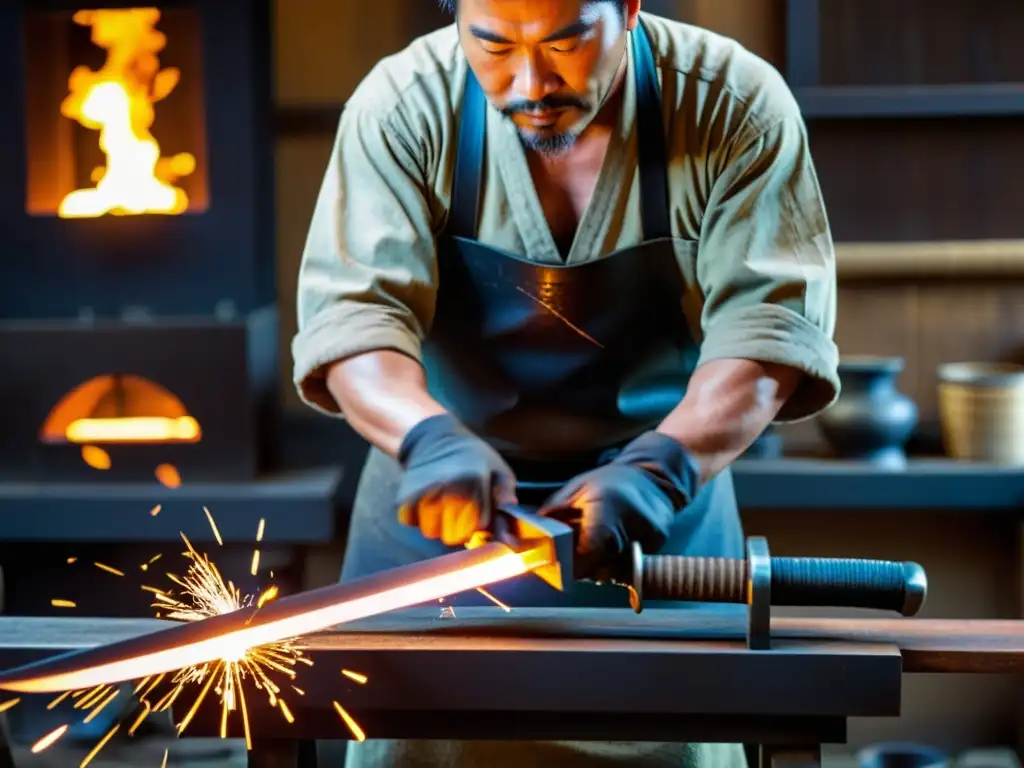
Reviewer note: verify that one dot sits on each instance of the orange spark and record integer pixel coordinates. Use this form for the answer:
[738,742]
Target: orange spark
[213,526]
[494,599]
[168,476]
[145,565]
[361,679]
[58,603]
[56,702]
[100,745]
[353,726]
[95,457]
[108,569]
[48,739]
[268,594]
[155,510]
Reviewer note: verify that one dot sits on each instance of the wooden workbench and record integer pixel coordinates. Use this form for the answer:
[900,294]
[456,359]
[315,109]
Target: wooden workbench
[583,674]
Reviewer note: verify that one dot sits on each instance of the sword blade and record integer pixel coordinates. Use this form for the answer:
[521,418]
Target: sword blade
[229,635]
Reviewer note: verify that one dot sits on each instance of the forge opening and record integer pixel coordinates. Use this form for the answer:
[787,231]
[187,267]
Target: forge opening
[120,408]
[115,117]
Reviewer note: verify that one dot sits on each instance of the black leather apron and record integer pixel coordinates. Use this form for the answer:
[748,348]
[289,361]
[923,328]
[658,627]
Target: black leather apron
[556,366]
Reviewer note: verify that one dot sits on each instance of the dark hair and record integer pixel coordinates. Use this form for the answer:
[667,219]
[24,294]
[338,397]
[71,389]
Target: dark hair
[449,5]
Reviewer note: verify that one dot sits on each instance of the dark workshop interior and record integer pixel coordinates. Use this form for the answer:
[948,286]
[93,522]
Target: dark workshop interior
[146,387]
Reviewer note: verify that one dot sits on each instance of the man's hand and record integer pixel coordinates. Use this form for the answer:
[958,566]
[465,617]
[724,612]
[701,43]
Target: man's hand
[452,481]
[633,498]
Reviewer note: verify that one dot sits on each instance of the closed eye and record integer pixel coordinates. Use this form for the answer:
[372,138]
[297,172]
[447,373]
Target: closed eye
[566,46]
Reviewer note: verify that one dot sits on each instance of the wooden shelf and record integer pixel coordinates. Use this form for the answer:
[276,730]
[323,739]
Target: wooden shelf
[918,101]
[934,484]
[934,260]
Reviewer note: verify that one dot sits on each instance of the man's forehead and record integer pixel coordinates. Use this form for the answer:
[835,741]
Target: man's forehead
[534,20]
[529,19]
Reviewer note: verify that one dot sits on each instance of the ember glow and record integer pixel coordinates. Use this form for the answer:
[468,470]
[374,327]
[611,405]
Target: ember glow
[117,100]
[134,429]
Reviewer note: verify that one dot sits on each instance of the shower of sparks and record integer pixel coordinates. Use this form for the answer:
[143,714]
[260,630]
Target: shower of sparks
[202,593]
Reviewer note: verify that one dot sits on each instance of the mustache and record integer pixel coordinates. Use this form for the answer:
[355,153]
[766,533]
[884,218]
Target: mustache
[547,103]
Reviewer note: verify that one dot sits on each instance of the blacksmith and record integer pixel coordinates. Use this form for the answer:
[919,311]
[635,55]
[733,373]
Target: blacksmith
[574,255]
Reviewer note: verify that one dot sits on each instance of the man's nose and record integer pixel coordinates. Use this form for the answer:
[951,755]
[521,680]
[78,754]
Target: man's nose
[534,80]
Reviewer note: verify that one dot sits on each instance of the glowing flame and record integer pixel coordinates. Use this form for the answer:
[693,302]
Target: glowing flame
[134,429]
[117,100]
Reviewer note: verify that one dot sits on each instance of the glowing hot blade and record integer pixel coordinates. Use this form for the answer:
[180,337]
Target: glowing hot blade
[228,636]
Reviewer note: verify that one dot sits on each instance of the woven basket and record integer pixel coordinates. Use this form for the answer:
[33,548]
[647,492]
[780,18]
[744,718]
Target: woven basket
[981,408]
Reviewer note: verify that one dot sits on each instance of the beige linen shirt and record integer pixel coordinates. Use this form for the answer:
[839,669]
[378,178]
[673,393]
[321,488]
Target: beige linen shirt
[751,233]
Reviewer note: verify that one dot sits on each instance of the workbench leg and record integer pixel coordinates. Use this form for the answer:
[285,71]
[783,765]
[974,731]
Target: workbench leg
[778,756]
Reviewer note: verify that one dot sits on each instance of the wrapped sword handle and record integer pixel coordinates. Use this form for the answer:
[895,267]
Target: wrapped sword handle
[795,581]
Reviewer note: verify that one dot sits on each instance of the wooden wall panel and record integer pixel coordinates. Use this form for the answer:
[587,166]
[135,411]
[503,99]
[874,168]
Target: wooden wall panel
[906,180]
[935,42]
[758,25]
[325,47]
[300,168]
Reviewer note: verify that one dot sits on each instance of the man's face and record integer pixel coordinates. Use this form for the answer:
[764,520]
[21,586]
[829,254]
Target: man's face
[548,65]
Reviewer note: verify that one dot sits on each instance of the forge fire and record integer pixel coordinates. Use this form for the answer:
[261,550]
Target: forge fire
[118,101]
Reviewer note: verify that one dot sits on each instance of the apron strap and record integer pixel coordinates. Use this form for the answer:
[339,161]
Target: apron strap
[651,155]
[469,161]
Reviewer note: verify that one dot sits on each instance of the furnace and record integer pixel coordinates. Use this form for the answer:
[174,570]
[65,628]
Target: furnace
[138,320]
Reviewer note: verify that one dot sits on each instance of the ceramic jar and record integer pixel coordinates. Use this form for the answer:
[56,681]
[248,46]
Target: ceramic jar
[871,420]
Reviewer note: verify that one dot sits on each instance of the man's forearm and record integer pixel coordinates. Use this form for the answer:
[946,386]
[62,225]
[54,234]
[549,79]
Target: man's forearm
[727,405]
[383,395]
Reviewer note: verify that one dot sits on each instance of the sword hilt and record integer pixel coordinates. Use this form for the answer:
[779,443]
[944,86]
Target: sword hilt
[795,581]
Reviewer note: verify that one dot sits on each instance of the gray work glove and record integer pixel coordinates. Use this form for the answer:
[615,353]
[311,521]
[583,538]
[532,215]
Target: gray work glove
[452,481]
[635,497]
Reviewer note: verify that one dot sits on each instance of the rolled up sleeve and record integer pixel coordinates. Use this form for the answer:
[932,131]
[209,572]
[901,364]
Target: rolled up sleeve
[368,278]
[766,265]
